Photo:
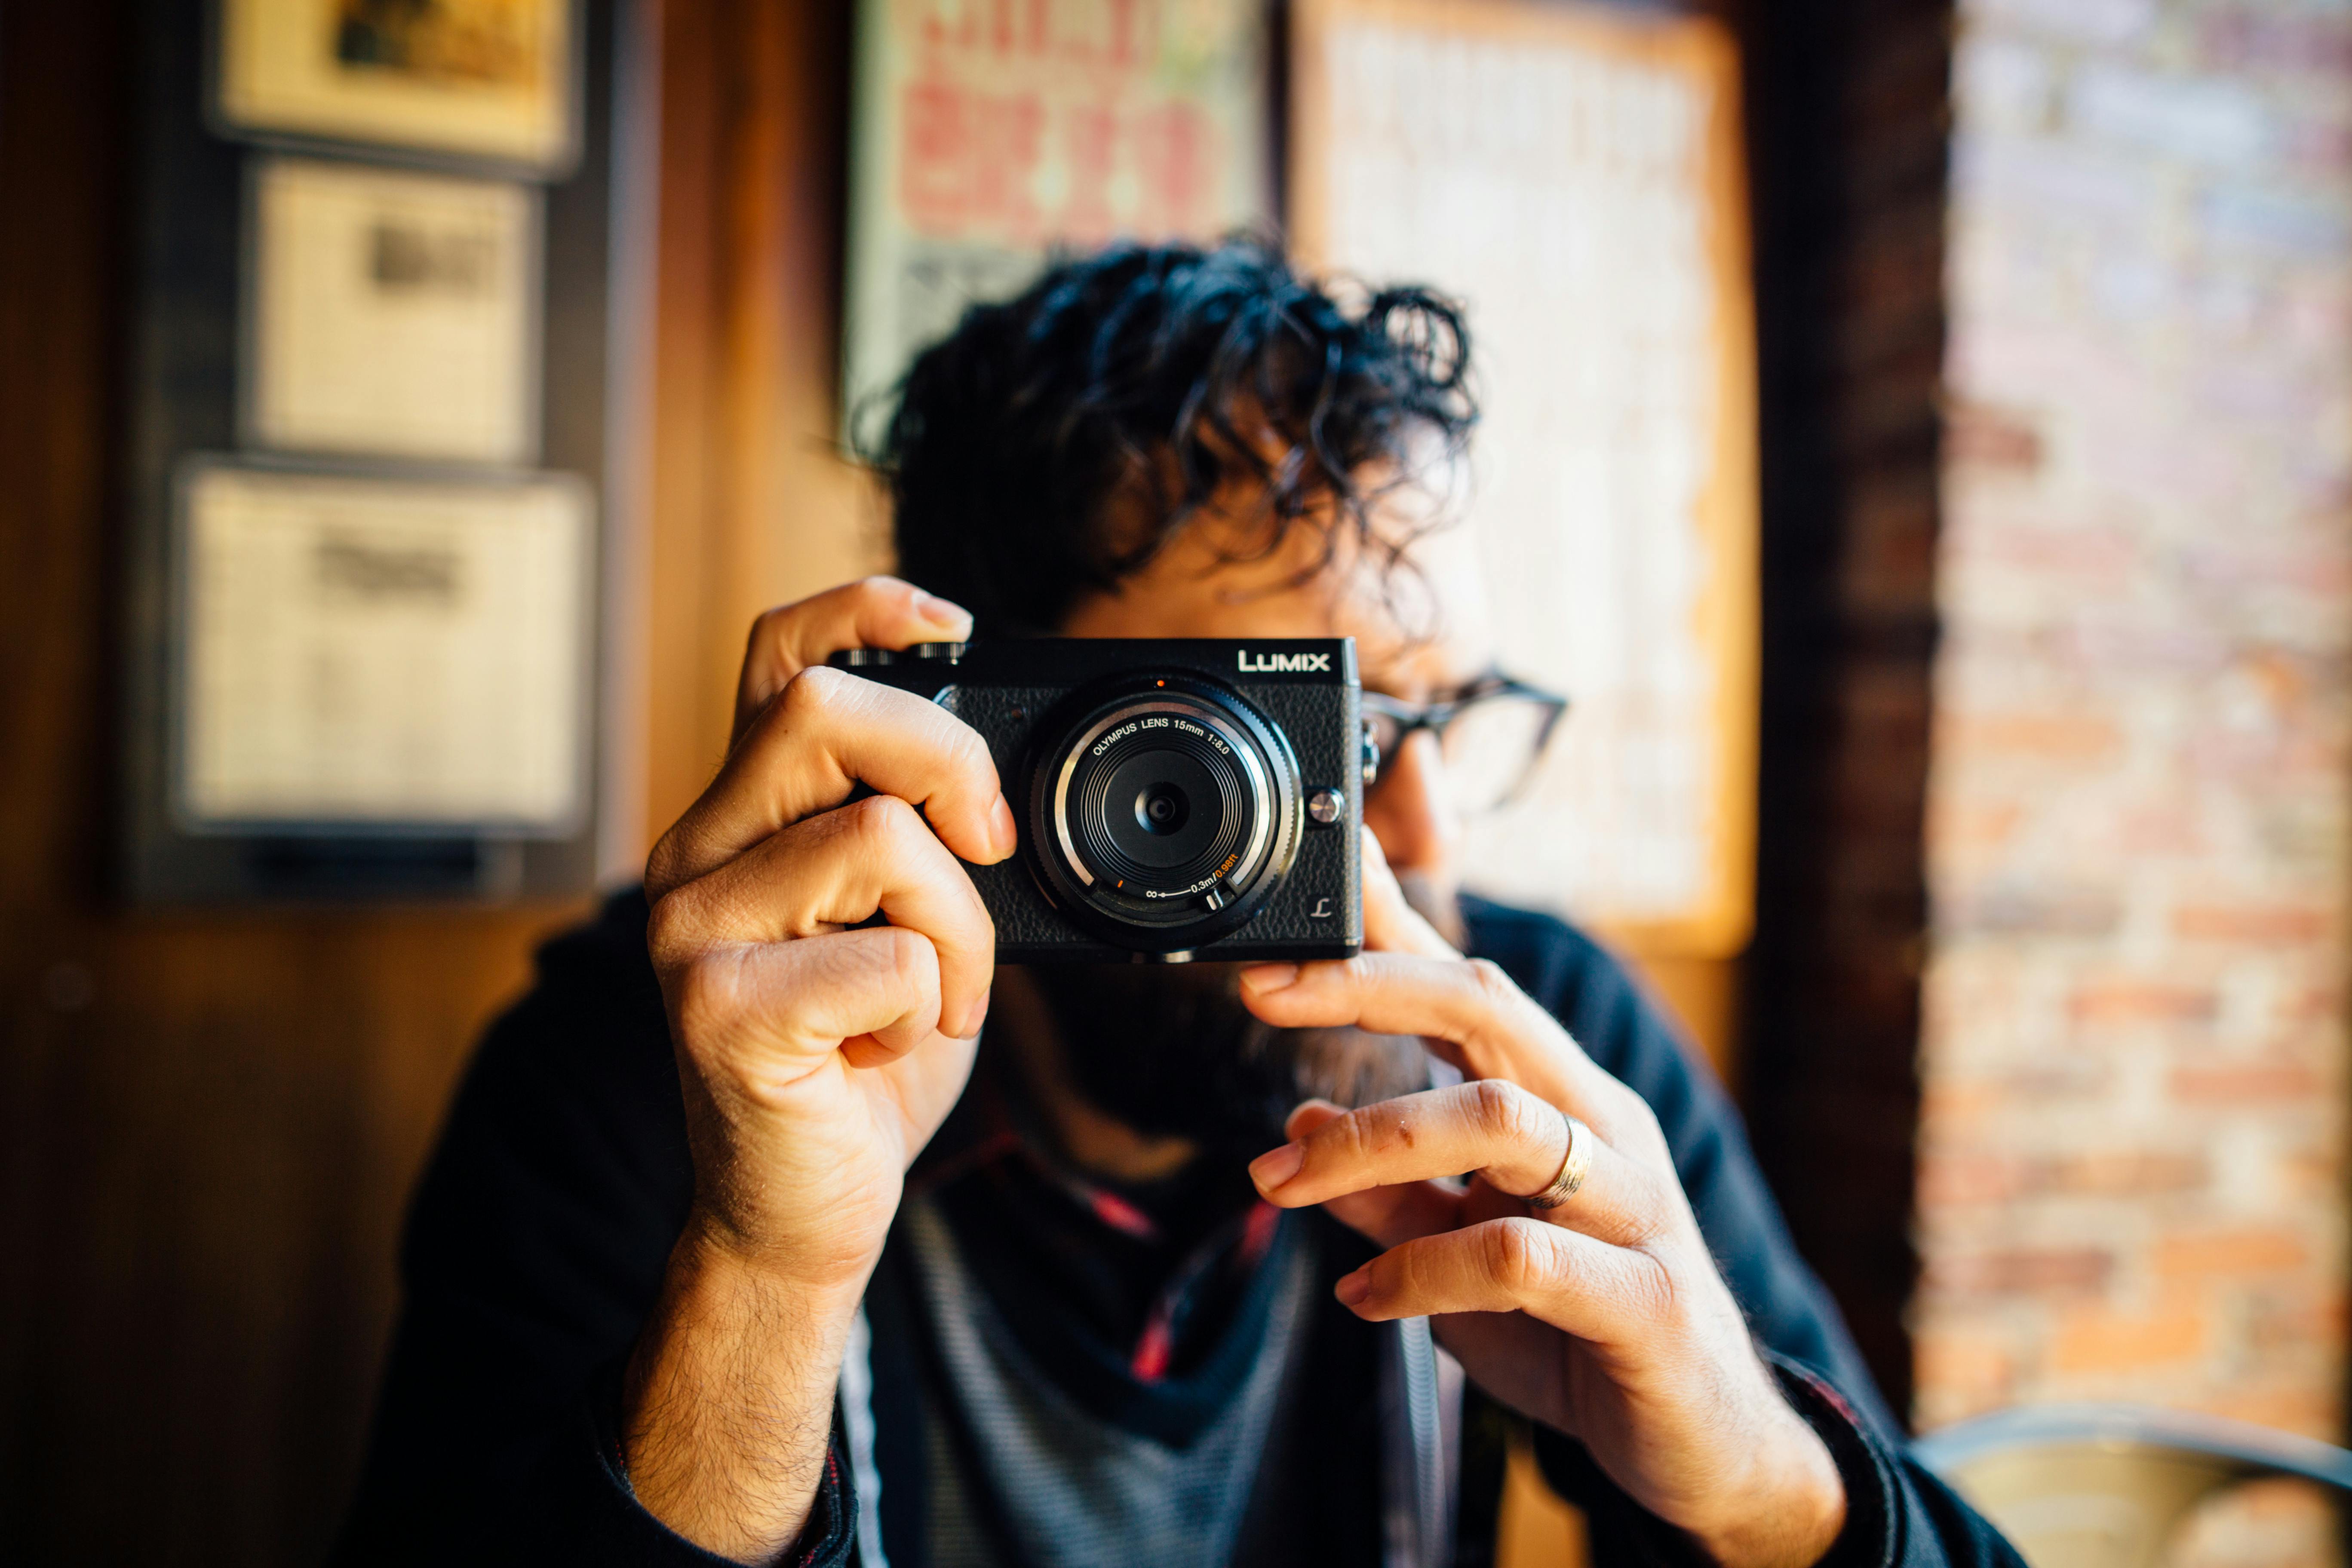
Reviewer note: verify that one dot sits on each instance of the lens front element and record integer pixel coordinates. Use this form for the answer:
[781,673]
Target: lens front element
[1165,809]
[1162,809]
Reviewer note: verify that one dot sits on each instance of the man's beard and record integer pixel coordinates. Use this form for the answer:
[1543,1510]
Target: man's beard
[1171,1052]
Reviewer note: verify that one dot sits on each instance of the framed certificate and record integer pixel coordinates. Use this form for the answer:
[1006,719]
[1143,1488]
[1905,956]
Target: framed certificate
[391,652]
[392,313]
[483,78]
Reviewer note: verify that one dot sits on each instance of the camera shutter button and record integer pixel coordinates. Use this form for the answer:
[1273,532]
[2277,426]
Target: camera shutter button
[1325,806]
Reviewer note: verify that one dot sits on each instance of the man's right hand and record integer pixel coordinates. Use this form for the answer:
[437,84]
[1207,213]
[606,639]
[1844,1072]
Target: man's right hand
[817,1060]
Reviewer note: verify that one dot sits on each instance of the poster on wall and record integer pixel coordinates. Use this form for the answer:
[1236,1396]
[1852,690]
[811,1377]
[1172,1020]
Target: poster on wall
[391,312]
[984,134]
[482,78]
[1572,174]
[366,651]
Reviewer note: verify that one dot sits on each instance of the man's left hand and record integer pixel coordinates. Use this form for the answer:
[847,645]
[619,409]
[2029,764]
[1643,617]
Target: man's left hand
[1603,1318]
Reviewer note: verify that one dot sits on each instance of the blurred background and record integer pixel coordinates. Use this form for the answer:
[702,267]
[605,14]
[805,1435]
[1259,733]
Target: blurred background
[1919,435]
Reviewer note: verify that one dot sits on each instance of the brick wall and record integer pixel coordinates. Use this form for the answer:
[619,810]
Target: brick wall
[2133,1127]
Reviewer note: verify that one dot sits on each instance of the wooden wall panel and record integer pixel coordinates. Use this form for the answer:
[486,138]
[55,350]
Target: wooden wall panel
[209,1121]
[753,502]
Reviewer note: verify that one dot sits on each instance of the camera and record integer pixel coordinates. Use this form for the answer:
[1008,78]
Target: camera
[1178,798]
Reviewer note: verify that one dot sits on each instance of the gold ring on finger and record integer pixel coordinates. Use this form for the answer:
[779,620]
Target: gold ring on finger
[1574,1166]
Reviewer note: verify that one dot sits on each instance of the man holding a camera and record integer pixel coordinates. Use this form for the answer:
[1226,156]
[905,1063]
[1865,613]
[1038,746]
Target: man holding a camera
[782,1224]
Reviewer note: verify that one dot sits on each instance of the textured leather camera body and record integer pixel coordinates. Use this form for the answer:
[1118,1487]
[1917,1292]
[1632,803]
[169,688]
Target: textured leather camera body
[1123,757]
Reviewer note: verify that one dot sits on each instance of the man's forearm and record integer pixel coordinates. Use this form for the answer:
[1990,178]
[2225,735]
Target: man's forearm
[727,1409]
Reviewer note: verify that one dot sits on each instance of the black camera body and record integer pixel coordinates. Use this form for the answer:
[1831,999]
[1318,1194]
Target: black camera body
[1177,798]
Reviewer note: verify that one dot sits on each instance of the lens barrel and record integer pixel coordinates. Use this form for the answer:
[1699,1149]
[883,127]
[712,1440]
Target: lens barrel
[1164,814]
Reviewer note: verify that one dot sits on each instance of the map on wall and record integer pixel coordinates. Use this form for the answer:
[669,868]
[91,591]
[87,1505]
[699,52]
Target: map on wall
[985,133]
[1572,175]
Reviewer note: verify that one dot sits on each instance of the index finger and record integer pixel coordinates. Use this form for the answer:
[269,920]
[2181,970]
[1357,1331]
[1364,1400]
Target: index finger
[1508,1136]
[876,612]
[1490,1028]
[828,732]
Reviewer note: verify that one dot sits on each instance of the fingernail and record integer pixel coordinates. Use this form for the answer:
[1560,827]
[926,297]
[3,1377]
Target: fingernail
[1275,1167]
[1261,978]
[1298,1111]
[1002,833]
[975,1016]
[1352,1289]
[946,612]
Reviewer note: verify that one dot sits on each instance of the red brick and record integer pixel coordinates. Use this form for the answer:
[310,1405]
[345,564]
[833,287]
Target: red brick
[2120,1173]
[2311,1411]
[2073,1076]
[2280,1317]
[2138,842]
[2072,738]
[2202,1254]
[2244,1083]
[2142,1002]
[2025,1273]
[1955,1105]
[2064,552]
[2313,1004]
[2262,924]
[1973,1371]
[1982,1178]
[1976,825]
[2161,830]
[1964,1179]
[2036,911]
[2095,1340]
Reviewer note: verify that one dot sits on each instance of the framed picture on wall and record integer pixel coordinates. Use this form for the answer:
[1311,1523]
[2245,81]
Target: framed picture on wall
[355,649]
[391,312]
[1573,174]
[492,80]
[981,137]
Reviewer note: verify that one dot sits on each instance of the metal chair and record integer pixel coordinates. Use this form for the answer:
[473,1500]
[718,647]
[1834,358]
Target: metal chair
[2106,1486]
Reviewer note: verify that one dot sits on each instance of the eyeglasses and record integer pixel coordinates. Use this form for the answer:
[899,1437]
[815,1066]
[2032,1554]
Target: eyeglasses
[1493,734]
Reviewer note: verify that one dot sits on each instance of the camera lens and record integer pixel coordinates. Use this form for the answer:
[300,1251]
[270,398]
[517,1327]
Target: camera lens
[1162,805]
[1159,832]
[1166,805]
[1162,808]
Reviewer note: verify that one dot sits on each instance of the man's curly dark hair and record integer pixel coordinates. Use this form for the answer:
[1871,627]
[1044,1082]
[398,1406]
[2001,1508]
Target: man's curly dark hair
[1152,376]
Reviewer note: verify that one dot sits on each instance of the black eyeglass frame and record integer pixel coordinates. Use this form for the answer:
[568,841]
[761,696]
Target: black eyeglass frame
[1410,718]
